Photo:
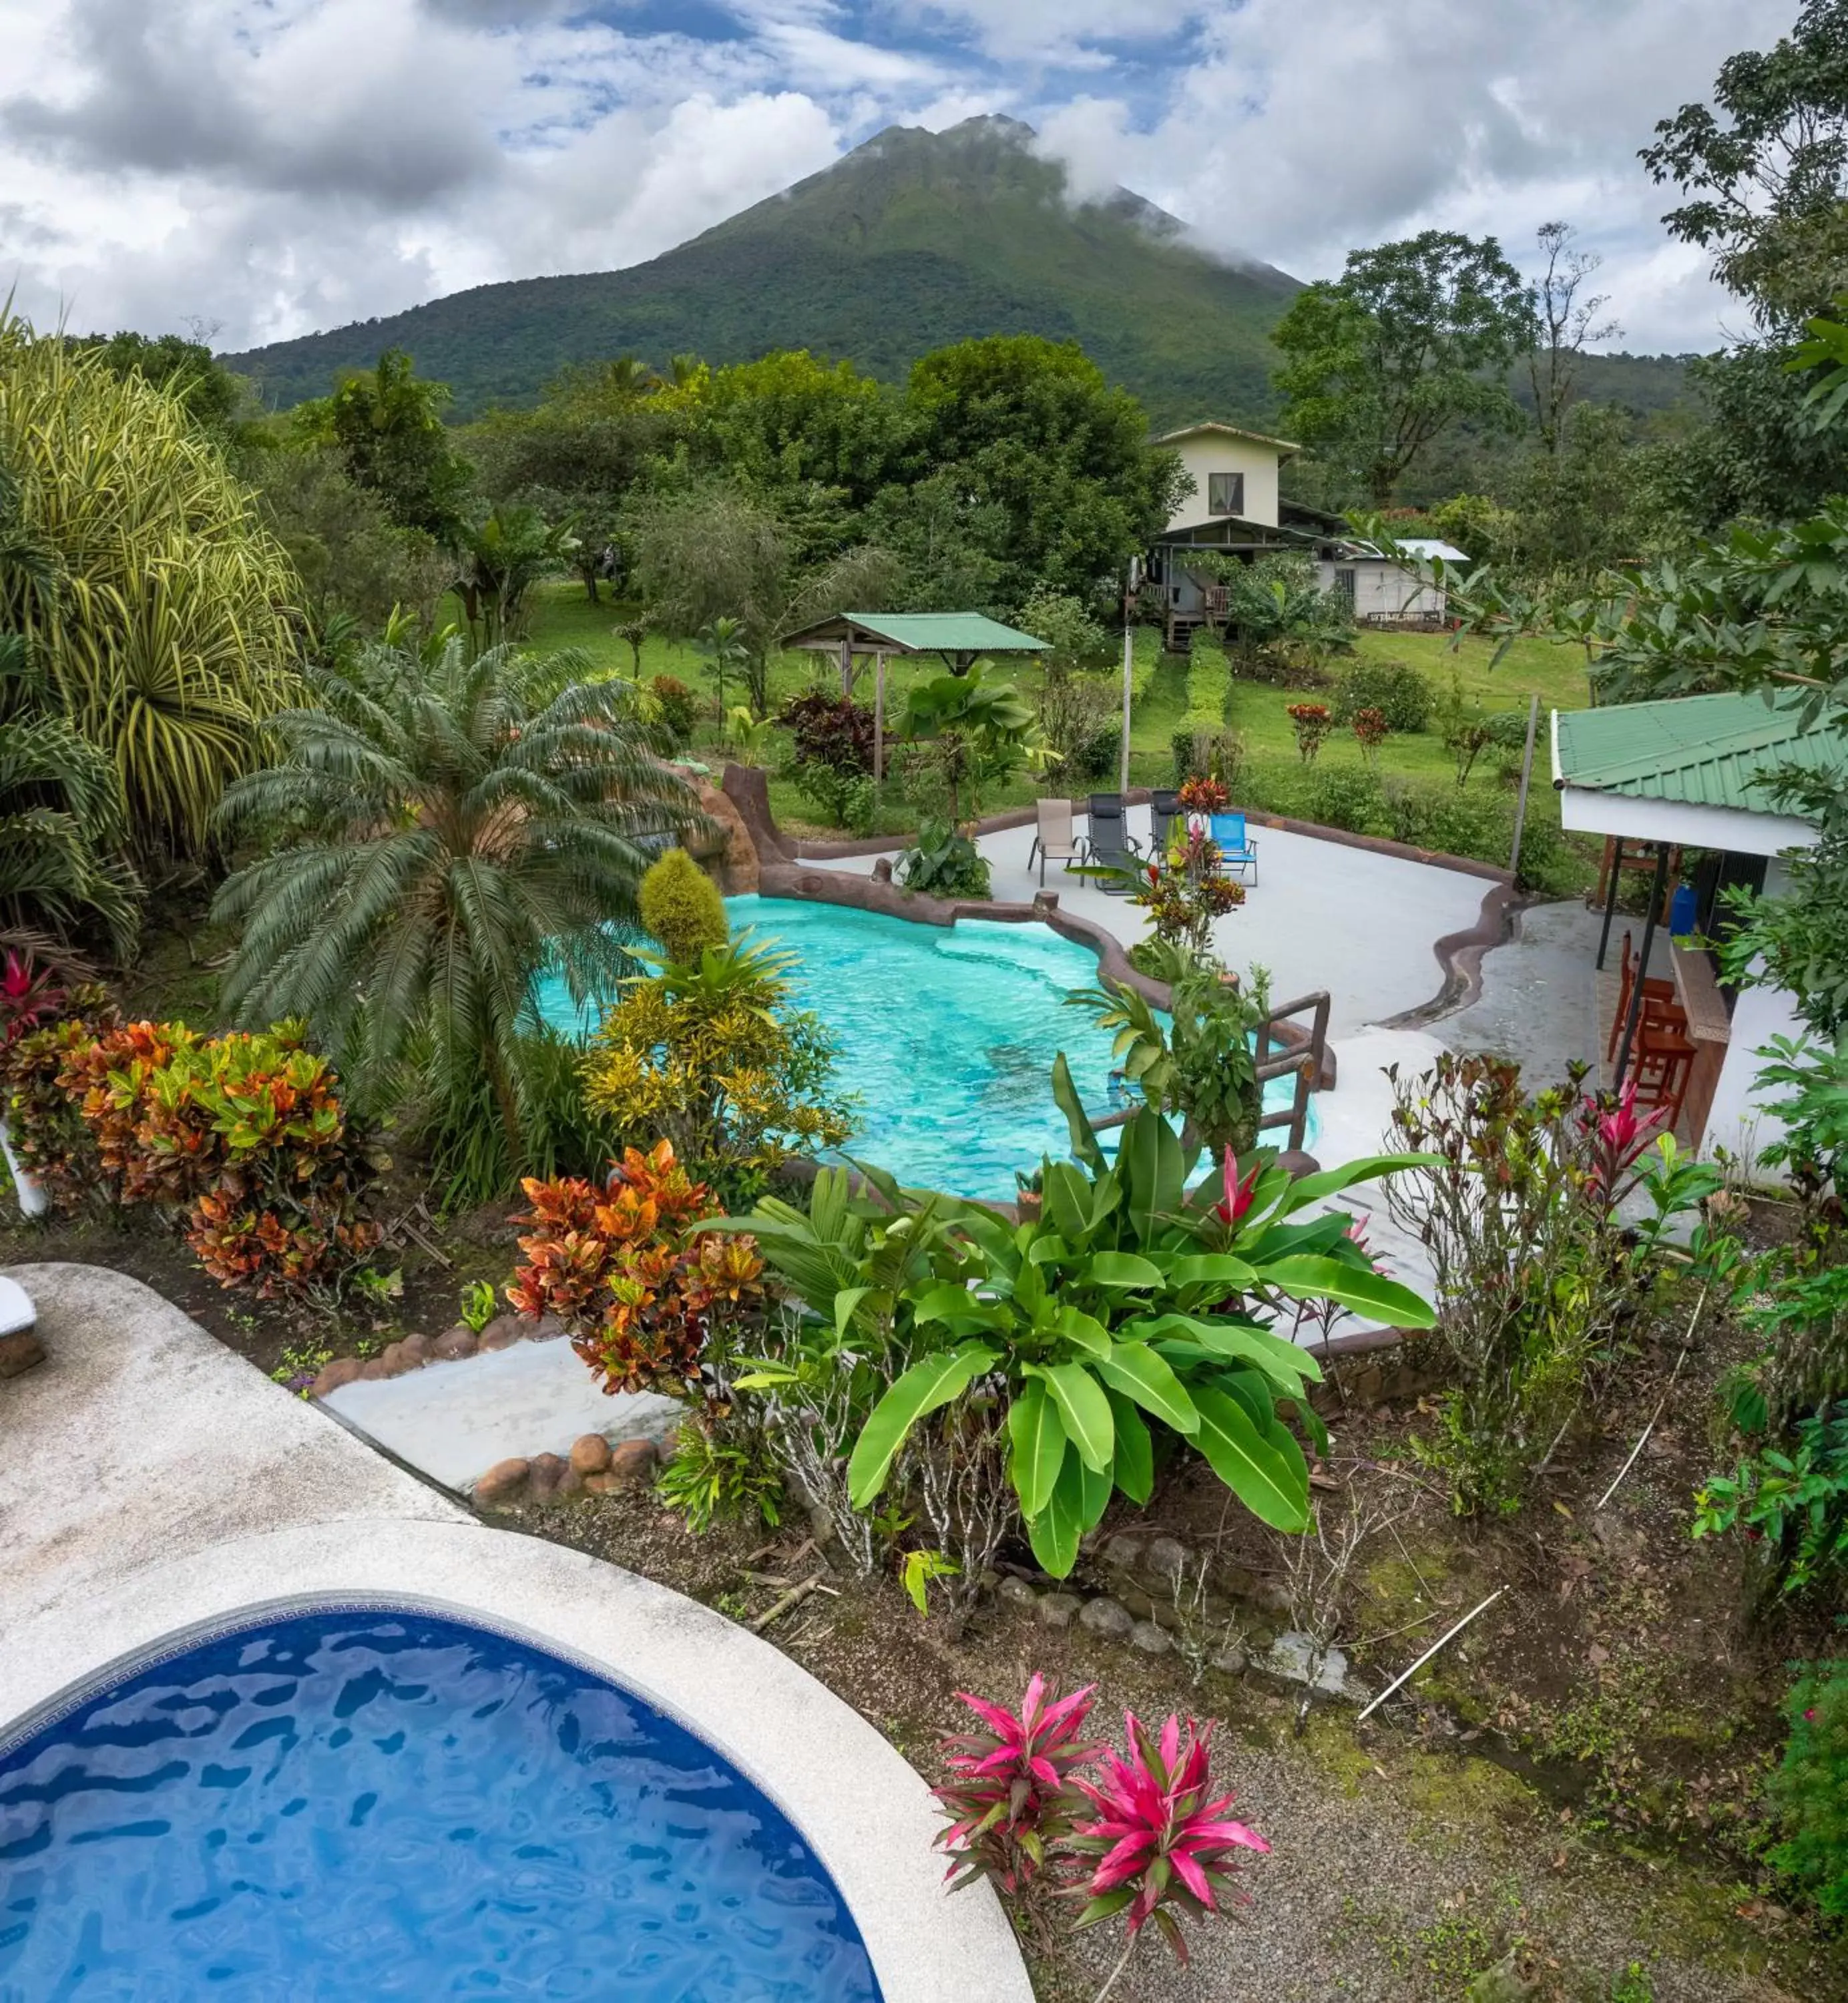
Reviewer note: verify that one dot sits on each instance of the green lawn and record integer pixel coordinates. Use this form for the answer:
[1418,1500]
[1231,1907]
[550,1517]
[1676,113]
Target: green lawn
[1417,799]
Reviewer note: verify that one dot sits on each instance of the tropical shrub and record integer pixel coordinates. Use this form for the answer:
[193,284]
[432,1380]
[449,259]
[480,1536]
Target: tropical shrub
[842,800]
[1279,621]
[443,830]
[1370,730]
[829,730]
[1162,1843]
[1202,1066]
[1808,1792]
[1126,1301]
[710,1056]
[1139,1834]
[970,731]
[1791,1501]
[1345,797]
[243,1139]
[721,1472]
[1517,1201]
[679,707]
[1200,751]
[682,906]
[1312,722]
[1402,696]
[1184,892]
[161,624]
[1203,796]
[652,1298]
[1080,719]
[1010,1799]
[944,863]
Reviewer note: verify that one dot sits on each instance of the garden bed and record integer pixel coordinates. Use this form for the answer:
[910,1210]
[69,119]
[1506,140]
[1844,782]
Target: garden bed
[1574,1780]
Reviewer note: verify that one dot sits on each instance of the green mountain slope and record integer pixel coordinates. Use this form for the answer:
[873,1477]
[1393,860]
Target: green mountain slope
[912,240]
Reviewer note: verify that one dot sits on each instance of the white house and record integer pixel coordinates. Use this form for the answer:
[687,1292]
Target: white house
[1234,506]
[1692,773]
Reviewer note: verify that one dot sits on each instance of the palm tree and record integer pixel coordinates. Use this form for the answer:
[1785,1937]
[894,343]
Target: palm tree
[449,827]
[506,552]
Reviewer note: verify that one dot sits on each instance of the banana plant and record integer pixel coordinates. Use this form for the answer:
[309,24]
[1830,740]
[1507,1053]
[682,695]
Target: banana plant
[1126,1309]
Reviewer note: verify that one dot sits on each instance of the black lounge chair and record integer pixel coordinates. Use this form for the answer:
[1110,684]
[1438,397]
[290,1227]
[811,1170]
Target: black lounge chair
[1164,810]
[1108,843]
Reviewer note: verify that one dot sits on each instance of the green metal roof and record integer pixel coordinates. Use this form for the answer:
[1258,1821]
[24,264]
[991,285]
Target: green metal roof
[1697,750]
[919,632]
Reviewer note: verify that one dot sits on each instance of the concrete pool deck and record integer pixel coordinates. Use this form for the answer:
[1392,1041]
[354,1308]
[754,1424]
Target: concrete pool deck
[1362,924]
[155,1487]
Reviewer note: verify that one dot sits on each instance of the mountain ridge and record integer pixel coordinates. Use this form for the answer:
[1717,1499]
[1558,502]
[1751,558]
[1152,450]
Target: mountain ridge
[912,240]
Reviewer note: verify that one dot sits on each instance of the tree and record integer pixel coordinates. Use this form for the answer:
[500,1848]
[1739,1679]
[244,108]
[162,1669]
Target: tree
[1767,170]
[387,425]
[507,551]
[789,419]
[1567,323]
[1411,338]
[163,635]
[1029,429]
[579,455]
[187,370]
[355,564]
[714,551]
[449,827]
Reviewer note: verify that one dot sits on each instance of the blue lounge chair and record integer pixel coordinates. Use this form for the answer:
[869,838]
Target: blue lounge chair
[1237,851]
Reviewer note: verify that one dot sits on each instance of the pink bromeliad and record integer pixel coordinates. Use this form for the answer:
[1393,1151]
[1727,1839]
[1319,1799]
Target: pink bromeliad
[1238,1195]
[1160,1841]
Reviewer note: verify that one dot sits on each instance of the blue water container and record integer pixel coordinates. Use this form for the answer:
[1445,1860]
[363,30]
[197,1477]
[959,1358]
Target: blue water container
[1681,911]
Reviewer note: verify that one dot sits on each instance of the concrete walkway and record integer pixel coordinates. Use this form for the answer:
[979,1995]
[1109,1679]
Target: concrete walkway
[453,1422]
[1538,1002]
[1321,915]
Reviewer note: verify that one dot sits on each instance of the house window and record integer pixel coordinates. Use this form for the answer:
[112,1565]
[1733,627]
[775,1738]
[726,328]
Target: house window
[1344,586]
[1225,493]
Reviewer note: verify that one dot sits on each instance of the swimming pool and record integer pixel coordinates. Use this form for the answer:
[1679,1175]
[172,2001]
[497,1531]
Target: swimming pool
[348,1807]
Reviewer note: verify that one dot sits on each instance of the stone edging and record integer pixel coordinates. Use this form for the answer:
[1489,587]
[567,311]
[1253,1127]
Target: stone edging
[454,1345]
[1461,956]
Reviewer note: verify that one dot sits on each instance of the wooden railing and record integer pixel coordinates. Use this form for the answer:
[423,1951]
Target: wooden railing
[1303,1058]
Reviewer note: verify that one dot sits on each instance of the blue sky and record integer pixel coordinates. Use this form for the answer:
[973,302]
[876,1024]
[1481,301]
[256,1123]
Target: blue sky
[270,166]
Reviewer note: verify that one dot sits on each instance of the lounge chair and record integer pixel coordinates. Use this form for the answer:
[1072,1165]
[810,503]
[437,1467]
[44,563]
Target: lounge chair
[1107,843]
[1054,842]
[1237,851]
[1164,810]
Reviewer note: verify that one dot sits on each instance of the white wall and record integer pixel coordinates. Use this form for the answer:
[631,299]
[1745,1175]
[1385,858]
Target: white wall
[1202,453]
[1734,1120]
[1383,590]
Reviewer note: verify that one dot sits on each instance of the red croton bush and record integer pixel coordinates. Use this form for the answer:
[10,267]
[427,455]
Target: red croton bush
[629,1271]
[243,1139]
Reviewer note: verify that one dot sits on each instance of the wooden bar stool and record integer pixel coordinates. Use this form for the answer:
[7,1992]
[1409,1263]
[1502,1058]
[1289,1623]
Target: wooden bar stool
[1654,989]
[1662,1060]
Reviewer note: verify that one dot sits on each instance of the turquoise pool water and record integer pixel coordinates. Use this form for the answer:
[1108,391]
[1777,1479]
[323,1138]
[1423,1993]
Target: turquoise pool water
[947,1034]
[357,1807]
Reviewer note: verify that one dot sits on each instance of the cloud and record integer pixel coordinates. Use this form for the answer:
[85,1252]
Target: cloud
[281,164]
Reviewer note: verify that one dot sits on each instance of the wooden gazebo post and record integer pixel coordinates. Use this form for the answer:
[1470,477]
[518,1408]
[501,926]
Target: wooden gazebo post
[878,719]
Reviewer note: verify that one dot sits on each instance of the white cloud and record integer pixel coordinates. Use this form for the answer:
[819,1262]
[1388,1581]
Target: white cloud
[279,165]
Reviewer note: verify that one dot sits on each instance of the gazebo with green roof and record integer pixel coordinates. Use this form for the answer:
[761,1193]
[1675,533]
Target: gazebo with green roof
[959,639]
